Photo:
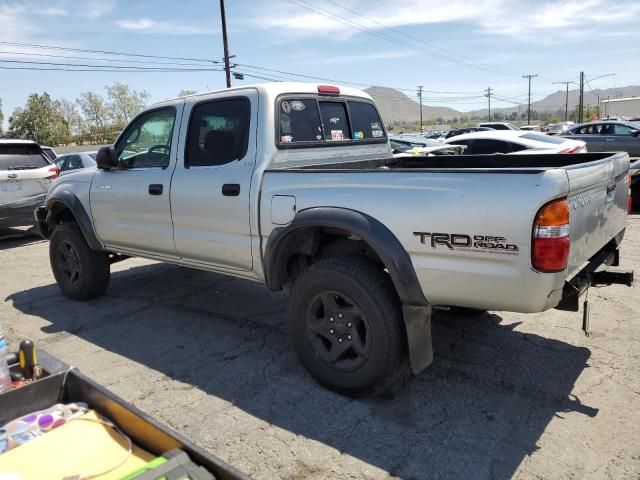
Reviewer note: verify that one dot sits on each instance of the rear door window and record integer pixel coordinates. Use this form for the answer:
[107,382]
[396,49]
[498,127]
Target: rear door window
[218,132]
[21,157]
[488,147]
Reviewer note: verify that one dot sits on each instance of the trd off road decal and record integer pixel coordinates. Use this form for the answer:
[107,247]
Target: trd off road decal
[468,243]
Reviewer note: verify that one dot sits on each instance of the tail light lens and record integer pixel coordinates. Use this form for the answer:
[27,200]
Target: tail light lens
[54,173]
[577,149]
[550,245]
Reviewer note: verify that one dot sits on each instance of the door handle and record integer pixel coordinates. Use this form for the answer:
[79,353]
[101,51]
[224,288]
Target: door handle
[156,189]
[230,189]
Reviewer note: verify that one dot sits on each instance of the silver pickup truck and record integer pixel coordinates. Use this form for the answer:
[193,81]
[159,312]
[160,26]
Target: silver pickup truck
[295,185]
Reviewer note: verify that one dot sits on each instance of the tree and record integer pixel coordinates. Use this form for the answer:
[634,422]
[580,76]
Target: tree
[96,116]
[69,112]
[124,103]
[184,93]
[40,120]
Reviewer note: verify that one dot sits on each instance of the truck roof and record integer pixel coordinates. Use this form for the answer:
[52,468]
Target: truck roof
[273,89]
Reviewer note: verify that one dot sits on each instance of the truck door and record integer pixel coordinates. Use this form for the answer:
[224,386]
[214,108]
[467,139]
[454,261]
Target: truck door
[130,205]
[210,191]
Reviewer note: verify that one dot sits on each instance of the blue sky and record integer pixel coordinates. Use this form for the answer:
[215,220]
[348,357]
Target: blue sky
[459,46]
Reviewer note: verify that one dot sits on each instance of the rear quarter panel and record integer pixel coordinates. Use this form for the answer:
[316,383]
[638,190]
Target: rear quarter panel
[466,203]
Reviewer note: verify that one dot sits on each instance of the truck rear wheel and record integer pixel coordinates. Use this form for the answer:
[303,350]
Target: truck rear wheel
[346,326]
[81,273]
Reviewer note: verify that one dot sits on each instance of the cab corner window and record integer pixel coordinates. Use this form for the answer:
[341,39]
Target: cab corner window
[218,132]
[147,142]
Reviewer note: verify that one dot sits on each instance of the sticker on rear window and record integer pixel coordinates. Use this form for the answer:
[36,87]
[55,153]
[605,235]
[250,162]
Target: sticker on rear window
[286,108]
[358,135]
[337,135]
[377,133]
[286,139]
[297,105]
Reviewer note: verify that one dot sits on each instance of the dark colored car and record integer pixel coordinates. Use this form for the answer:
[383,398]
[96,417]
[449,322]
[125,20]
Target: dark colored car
[610,136]
[460,131]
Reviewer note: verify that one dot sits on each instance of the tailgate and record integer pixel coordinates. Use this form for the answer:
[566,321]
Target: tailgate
[17,186]
[598,201]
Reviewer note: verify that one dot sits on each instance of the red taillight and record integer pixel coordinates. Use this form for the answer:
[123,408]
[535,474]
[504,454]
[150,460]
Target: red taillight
[571,150]
[328,89]
[550,243]
[54,171]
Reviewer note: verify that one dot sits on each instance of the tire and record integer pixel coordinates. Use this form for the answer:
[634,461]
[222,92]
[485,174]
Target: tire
[81,273]
[346,326]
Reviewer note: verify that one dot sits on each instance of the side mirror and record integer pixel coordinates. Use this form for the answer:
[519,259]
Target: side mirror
[635,133]
[106,158]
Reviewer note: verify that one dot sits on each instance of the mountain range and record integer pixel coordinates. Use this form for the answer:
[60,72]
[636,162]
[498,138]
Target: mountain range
[396,107]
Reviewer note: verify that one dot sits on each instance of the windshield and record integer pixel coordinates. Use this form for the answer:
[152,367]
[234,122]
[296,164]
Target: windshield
[543,138]
[21,157]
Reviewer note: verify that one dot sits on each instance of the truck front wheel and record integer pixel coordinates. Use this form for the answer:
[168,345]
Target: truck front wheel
[346,326]
[81,273]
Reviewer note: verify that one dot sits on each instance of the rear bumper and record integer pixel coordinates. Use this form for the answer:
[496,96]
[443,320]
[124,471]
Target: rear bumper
[594,274]
[20,214]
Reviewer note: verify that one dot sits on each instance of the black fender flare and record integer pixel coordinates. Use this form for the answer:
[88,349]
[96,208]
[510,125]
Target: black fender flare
[416,308]
[70,201]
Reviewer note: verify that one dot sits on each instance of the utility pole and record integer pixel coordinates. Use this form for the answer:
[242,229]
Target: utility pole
[489,92]
[420,97]
[581,99]
[227,68]
[529,104]
[566,99]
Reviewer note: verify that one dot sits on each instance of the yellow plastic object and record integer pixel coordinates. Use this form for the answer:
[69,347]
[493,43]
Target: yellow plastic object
[80,448]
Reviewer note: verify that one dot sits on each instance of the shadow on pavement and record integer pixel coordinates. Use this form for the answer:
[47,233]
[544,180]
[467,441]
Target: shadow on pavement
[477,412]
[16,237]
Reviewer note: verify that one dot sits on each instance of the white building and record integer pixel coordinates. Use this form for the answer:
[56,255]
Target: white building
[620,107]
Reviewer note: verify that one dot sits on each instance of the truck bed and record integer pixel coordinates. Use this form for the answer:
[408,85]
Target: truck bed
[487,196]
[495,163]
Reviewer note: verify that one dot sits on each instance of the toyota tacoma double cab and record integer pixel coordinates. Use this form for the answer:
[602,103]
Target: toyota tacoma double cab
[295,185]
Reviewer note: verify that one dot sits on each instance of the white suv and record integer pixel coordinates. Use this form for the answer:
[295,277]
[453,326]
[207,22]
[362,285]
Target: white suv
[25,173]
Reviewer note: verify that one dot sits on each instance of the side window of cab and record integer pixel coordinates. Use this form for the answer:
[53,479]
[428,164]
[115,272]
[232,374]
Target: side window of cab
[146,143]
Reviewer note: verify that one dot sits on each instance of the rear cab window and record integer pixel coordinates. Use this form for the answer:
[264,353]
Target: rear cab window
[318,121]
[22,157]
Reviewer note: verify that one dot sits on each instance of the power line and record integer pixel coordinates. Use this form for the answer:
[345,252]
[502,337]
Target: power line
[75,57]
[370,31]
[133,70]
[114,67]
[104,52]
[460,58]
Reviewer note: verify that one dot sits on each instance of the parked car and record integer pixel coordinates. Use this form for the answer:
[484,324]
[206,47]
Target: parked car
[634,173]
[461,131]
[25,174]
[74,161]
[531,128]
[403,147]
[509,141]
[294,185]
[559,128]
[609,136]
[49,152]
[499,125]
